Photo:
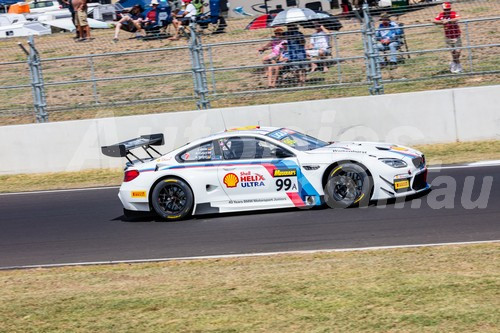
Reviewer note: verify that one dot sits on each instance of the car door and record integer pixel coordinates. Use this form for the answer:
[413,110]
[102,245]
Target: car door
[257,174]
[199,166]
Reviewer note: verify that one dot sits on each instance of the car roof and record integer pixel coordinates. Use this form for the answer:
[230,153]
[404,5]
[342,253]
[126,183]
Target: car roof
[248,130]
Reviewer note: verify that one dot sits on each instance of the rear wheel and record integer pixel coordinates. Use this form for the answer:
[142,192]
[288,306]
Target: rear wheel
[348,185]
[172,199]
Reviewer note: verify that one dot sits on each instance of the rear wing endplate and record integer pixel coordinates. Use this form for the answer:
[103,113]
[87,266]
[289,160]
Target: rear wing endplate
[123,149]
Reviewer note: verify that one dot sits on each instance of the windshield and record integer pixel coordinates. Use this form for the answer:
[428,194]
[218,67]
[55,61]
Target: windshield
[297,140]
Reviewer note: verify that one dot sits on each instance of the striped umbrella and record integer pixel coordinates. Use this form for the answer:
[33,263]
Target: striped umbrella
[296,15]
[261,22]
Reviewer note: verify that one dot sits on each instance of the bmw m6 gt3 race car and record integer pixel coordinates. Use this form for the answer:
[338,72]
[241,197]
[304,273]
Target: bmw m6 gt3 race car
[263,168]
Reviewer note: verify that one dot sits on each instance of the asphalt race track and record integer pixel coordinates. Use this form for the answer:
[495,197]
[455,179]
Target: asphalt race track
[47,228]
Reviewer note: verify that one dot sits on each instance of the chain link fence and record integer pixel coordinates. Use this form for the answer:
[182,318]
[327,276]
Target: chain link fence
[63,79]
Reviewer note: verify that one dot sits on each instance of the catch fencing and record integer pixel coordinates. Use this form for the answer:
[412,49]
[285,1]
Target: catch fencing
[100,78]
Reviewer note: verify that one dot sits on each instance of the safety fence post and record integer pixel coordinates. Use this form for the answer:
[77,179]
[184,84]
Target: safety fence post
[37,84]
[371,53]
[198,67]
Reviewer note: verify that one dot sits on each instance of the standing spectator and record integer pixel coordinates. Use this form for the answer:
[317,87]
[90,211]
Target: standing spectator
[69,3]
[319,46]
[277,45]
[448,19]
[131,22]
[296,50]
[387,35]
[81,23]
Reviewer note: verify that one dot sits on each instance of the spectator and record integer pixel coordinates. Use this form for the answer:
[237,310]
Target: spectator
[150,20]
[69,4]
[296,50]
[448,19]
[277,45]
[182,18]
[319,46]
[387,35]
[131,22]
[81,23]
[198,4]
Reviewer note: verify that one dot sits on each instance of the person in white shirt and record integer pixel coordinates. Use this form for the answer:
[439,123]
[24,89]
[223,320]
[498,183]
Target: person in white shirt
[183,18]
[319,46]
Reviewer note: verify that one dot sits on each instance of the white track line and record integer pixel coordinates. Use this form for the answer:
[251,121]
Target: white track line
[244,255]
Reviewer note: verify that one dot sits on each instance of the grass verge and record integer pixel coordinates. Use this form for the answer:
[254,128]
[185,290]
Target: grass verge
[447,153]
[438,289]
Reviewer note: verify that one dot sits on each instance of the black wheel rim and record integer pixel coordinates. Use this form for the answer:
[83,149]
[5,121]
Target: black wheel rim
[172,199]
[346,186]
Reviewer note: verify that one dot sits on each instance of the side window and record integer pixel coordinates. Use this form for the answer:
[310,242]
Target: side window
[243,148]
[203,152]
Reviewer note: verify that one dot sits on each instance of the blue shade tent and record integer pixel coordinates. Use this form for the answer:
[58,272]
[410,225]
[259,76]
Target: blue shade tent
[8,2]
[143,3]
[129,3]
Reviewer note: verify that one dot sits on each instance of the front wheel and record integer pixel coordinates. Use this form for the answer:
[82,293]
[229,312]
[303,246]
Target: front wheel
[348,185]
[172,199]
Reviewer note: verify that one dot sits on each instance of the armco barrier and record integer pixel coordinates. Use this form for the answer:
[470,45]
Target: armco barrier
[409,118]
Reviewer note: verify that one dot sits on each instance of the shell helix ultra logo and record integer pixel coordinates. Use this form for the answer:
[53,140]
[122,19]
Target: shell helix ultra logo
[230,180]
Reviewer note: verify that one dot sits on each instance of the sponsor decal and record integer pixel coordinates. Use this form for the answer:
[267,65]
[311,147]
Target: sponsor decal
[278,135]
[230,180]
[138,194]
[348,151]
[285,173]
[246,179]
[398,148]
[401,184]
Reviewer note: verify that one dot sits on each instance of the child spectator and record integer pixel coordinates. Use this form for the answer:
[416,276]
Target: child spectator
[448,19]
[277,45]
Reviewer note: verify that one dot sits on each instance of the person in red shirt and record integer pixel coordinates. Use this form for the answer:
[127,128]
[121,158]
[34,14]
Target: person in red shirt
[448,19]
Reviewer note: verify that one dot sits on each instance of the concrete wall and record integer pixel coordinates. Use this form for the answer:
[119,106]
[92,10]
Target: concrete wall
[410,118]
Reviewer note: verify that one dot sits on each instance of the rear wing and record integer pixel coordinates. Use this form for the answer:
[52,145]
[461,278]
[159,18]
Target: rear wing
[123,149]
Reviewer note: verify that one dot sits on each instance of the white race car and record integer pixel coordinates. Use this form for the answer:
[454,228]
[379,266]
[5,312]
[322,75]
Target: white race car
[263,168]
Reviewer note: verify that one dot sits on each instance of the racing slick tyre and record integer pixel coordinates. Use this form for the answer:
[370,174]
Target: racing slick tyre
[172,199]
[348,185]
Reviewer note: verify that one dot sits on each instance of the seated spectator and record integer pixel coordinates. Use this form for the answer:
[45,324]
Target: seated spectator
[131,22]
[319,46]
[150,20]
[277,46]
[182,18]
[296,51]
[387,36]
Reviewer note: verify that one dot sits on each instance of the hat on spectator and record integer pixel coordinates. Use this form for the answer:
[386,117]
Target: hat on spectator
[446,5]
[384,16]
[154,2]
[186,1]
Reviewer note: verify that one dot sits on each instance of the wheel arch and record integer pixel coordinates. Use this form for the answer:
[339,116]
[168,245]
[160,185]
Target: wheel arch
[151,189]
[332,166]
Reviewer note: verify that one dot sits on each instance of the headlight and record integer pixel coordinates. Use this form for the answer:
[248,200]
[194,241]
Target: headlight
[394,162]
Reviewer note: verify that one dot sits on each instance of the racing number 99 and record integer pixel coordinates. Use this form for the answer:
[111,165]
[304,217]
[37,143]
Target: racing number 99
[285,184]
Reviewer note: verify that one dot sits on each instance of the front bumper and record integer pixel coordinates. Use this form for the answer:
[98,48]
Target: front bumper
[400,185]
